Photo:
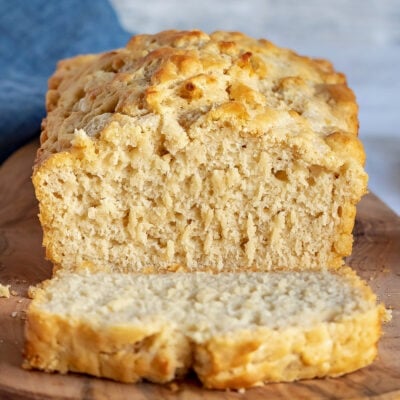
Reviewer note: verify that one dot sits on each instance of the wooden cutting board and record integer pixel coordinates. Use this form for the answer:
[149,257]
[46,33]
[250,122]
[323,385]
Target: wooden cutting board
[376,258]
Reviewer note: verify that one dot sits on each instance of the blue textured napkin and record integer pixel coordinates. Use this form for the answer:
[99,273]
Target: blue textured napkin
[34,35]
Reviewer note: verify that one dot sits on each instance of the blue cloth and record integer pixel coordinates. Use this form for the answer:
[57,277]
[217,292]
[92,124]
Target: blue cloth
[34,35]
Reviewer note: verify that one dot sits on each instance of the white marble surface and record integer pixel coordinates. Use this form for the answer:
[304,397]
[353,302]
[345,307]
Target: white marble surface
[361,37]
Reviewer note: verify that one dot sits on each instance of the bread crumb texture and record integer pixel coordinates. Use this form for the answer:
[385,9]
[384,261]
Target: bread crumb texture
[235,330]
[198,152]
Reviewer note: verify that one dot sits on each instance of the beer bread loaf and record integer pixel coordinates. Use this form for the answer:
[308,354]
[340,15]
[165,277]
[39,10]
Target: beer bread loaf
[188,151]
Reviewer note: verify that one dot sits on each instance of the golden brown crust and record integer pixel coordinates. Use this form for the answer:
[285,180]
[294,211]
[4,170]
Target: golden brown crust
[185,69]
[347,145]
[122,353]
[264,356]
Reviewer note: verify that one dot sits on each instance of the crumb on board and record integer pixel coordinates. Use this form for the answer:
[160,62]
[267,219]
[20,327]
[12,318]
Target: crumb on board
[4,290]
[31,291]
[173,386]
[14,314]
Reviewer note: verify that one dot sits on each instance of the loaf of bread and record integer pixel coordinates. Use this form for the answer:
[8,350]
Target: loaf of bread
[235,330]
[197,195]
[195,152]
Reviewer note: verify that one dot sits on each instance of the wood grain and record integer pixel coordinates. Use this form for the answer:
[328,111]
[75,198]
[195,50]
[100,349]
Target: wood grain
[376,257]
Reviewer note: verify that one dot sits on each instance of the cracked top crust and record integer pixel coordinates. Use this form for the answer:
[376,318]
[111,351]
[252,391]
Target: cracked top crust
[189,78]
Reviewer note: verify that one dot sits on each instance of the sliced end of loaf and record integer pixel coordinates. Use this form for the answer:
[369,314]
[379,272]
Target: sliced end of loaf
[234,329]
[221,203]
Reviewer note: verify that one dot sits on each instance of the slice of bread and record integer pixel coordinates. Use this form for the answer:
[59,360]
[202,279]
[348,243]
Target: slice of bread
[198,152]
[235,330]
